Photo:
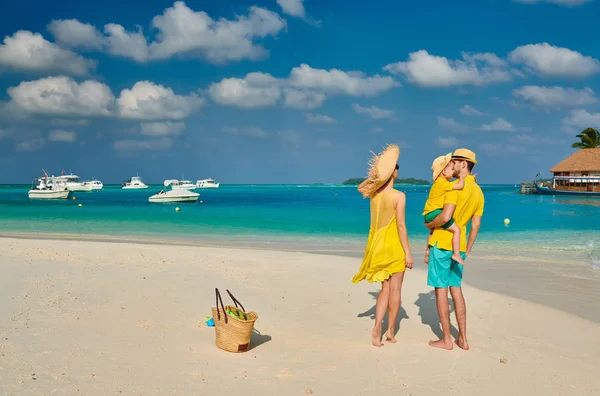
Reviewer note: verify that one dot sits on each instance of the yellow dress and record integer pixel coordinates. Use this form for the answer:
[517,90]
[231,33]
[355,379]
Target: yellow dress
[384,255]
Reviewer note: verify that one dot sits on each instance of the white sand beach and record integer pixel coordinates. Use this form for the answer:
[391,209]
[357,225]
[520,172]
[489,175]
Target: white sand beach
[104,318]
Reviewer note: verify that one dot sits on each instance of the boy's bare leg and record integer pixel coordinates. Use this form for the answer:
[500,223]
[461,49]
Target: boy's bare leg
[426,259]
[455,229]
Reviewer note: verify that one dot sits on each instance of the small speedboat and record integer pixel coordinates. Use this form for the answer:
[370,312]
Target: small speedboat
[49,188]
[176,195]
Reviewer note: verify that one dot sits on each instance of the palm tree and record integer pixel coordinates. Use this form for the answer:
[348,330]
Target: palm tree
[589,138]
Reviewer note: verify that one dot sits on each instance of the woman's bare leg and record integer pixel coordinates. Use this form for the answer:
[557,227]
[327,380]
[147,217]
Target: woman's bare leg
[380,309]
[394,305]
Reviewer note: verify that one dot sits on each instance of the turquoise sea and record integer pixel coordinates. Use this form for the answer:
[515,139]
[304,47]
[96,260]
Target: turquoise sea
[318,215]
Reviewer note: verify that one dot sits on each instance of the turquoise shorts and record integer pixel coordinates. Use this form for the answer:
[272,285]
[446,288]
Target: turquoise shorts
[435,213]
[442,271]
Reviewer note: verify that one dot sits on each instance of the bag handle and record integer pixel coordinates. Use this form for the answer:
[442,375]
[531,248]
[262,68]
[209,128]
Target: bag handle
[218,298]
[235,301]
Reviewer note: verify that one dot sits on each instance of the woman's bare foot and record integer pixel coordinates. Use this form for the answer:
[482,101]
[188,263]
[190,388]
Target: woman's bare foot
[462,343]
[389,337]
[376,334]
[458,259]
[442,344]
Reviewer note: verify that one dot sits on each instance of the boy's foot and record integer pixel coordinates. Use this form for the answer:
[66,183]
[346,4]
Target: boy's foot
[376,334]
[389,337]
[442,344]
[426,260]
[458,259]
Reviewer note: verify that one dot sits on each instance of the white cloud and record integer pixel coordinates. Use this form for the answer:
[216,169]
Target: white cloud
[246,131]
[303,99]
[375,112]
[499,124]
[580,119]
[62,96]
[181,31]
[446,142]
[338,82]
[501,149]
[143,145]
[550,61]
[306,88]
[568,3]
[555,96]
[256,90]
[437,71]
[451,125]
[471,111]
[74,34]
[149,101]
[319,119]
[30,145]
[165,128]
[120,42]
[59,135]
[293,8]
[30,52]
[324,144]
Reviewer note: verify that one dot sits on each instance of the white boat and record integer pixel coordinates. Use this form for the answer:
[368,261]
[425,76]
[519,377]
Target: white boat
[73,183]
[49,188]
[206,183]
[96,184]
[179,184]
[134,183]
[175,195]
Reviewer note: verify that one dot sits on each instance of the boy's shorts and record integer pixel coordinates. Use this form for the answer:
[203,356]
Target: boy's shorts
[433,214]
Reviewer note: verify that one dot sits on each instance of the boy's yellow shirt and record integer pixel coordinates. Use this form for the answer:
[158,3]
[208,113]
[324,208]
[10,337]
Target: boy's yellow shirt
[438,194]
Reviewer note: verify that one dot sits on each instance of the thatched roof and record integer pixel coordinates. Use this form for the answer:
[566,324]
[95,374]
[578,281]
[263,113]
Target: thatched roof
[586,160]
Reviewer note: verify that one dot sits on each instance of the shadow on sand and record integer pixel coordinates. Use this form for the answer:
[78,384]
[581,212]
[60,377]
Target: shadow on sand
[257,339]
[429,315]
[371,313]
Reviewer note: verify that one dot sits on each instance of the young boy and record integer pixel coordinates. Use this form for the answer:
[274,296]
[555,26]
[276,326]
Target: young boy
[442,168]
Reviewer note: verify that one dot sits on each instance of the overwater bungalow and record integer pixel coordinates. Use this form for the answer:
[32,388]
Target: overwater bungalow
[578,174]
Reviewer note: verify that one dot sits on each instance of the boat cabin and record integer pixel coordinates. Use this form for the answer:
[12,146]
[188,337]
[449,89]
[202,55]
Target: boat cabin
[579,173]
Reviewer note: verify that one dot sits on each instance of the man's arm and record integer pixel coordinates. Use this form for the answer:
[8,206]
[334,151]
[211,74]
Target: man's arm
[443,217]
[475,224]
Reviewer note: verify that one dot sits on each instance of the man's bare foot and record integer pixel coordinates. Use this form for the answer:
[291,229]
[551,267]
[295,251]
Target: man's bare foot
[462,344]
[458,259]
[389,337]
[442,344]
[376,334]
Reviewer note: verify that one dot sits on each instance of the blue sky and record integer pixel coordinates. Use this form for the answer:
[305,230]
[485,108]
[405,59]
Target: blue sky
[291,91]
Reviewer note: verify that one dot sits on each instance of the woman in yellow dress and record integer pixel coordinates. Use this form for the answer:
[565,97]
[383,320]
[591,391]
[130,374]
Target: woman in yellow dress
[387,254]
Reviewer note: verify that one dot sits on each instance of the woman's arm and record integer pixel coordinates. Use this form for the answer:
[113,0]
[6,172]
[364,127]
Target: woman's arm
[402,232]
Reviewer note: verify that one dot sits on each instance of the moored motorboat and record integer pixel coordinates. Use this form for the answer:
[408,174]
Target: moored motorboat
[206,183]
[49,188]
[176,195]
[135,183]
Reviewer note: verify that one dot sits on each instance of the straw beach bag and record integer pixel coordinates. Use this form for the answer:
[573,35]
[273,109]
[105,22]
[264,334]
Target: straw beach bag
[233,325]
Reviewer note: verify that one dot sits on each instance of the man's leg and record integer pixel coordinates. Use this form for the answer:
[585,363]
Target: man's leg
[443,308]
[394,305]
[460,308]
[438,273]
[380,308]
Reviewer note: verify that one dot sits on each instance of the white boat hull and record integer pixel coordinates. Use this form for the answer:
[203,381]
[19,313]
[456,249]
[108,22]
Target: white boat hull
[48,194]
[80,187]
[135,187]
[209,186]
[174,196]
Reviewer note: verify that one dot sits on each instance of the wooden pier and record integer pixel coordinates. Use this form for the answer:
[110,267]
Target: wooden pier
[528,188]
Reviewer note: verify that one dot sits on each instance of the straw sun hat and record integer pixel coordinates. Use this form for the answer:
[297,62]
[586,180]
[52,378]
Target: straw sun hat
[438,164]
[381,168]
